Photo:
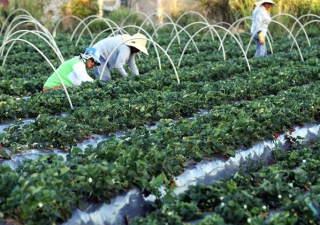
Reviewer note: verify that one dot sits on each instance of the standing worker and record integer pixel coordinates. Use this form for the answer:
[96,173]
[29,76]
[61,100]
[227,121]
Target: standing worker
[124,54]
[256,6]
[73,71]
[261,19]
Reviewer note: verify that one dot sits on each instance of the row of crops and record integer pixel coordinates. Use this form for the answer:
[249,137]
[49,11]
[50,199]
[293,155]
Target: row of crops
[244,106]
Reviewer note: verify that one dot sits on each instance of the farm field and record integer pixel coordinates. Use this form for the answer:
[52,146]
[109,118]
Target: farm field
[245,100]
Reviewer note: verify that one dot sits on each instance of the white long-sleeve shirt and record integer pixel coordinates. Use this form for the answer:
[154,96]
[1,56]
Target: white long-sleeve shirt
[79,74]
[253,26]
[120,57]
[261,19]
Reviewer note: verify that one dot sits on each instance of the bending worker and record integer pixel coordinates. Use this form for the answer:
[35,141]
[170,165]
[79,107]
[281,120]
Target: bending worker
[124,54]
[73,71]
[261,19]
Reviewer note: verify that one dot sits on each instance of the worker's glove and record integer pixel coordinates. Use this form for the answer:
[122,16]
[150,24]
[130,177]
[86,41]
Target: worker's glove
[261,38]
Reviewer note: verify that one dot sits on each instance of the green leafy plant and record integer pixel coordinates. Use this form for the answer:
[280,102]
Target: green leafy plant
[81,8]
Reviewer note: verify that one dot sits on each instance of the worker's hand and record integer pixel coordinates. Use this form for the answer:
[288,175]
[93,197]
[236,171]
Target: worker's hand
[261,38]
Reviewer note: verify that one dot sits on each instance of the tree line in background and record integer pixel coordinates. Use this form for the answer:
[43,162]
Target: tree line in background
[215,11]
[231,10]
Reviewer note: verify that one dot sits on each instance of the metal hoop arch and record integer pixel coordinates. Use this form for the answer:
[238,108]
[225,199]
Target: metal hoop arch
[65,17]
[176,25]
[141,13]
[297,21]
[37,33]
[14,11]
[110,27]
[309,22]
[213,26]
[206,25]
[43,55]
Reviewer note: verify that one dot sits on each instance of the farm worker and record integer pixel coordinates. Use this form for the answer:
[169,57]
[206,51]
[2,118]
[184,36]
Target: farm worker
[261,20]
[74,71]
[124,54]
[256,6]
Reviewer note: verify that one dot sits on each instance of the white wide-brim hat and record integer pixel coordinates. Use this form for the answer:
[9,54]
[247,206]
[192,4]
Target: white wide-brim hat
[267,1]
[138,41]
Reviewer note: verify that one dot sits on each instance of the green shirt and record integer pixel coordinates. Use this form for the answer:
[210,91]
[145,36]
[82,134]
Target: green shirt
[64,71]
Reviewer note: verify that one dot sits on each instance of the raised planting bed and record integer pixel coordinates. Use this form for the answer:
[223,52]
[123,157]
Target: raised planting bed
[149,130]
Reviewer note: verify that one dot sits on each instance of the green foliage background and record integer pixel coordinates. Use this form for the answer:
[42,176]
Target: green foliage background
[36,10]
[215,11]
[239,8]
[269,110]
[80,8]
[232,10]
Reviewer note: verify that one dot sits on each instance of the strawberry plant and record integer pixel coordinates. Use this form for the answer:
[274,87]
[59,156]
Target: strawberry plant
[166,128]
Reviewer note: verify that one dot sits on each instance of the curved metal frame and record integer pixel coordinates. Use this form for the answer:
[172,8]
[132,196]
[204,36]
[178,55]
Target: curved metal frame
[65,17]
[176,25]
[37,33]
[14,11]
[87,25]
[213,26]
[297,21]
[43,55]
[101,32]
[192,12]
[312,21]
[236,23]
[156,14]
[141,13]
[185,27]
[305,15]
[28,19]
